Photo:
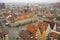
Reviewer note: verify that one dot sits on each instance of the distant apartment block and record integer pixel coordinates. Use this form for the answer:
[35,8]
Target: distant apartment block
[2,6]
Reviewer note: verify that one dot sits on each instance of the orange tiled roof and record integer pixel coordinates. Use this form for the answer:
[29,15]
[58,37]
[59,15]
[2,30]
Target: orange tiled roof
[25,16]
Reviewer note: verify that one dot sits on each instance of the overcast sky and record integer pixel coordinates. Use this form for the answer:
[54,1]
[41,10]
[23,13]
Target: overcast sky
[28,1]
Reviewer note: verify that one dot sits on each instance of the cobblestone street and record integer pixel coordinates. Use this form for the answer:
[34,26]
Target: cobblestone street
[14,32]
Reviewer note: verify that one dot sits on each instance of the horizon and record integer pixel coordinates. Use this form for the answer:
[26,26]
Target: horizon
[29,1]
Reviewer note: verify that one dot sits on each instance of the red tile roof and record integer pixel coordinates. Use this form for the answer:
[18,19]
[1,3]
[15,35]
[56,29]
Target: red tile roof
[29,15]
[57,4]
